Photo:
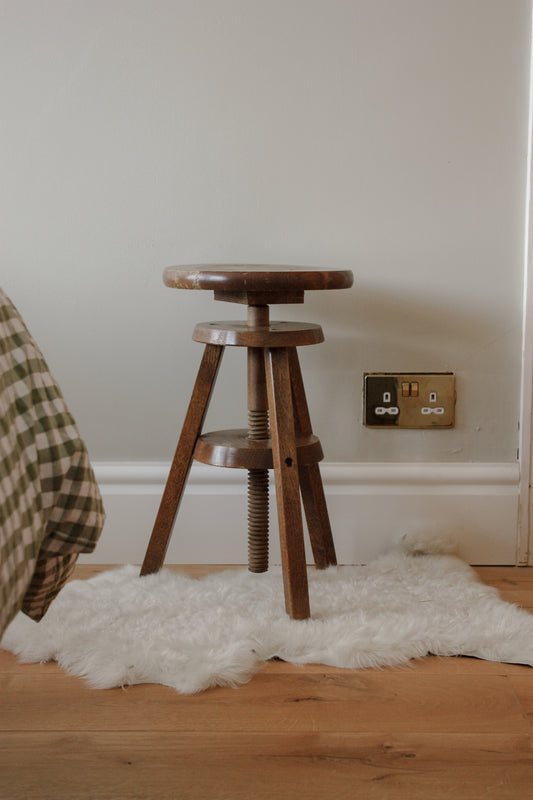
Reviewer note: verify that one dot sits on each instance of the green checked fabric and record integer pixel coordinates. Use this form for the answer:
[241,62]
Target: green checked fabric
[50,505]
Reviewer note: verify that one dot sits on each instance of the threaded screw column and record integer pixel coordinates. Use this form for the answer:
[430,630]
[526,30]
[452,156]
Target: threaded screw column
[258,428]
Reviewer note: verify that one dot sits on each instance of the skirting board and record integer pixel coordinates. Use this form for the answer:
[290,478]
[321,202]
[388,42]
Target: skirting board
[370,506]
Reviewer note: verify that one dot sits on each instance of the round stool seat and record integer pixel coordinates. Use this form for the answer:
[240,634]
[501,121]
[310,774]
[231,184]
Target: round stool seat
[256,284]
[276,334]
[233,448]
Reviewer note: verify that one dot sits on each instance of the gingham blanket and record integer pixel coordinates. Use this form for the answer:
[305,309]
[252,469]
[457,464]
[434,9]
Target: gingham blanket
[50,505]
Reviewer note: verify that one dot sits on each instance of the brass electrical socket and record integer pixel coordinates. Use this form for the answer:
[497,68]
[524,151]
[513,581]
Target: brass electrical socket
[409,399]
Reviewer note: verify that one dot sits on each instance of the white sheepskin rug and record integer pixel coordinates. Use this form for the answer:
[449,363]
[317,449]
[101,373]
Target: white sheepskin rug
[118,629]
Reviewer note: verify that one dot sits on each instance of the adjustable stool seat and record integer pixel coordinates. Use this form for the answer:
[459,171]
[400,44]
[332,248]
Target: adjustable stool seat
[279,434]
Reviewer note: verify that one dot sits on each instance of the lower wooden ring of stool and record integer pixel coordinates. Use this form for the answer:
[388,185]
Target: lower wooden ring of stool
[277,334]
[232,448]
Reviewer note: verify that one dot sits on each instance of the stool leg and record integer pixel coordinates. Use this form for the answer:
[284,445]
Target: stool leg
[316,511]
[284,455]
[181,464]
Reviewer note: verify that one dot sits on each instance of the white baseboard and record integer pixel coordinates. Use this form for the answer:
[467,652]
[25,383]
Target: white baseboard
[370,506]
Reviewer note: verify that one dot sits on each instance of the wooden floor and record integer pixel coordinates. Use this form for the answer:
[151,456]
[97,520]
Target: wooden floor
[441,728]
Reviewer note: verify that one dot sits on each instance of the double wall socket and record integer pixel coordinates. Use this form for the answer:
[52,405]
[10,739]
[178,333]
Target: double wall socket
[409,400]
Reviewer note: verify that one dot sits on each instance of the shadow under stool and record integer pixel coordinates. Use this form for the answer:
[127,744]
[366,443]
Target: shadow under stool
[279,434]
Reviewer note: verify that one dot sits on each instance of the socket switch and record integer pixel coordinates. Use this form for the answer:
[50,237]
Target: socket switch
[409,400]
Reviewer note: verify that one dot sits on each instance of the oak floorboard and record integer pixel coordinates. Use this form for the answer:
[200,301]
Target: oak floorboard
[85,571]
[522,684]
[506,576]
[369,699]
[168,766]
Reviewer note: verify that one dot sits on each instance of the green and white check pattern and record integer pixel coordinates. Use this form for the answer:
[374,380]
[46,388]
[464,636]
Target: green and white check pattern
[50,505]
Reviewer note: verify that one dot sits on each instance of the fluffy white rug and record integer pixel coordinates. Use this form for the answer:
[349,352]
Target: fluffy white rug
[117,628]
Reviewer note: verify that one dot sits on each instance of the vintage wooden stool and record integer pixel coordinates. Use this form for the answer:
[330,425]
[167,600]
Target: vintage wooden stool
[279,433]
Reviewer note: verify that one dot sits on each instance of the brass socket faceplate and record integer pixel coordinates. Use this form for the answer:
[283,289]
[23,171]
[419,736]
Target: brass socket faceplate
[409,399]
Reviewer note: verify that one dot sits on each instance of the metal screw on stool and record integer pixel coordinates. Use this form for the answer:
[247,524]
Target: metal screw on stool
[258,430]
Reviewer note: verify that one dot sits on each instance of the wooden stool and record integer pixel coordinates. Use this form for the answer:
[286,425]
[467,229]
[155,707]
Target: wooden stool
[279,433]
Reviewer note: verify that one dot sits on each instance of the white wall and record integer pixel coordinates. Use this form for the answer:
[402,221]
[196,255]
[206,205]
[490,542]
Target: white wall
[388,136]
